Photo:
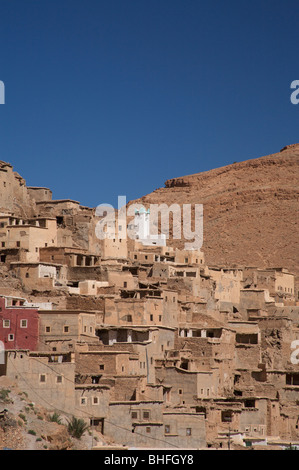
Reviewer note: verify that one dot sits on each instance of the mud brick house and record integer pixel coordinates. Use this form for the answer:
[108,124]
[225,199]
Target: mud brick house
[19,325]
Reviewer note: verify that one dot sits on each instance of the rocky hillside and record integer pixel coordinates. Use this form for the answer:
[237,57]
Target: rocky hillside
[27,426]
[250,210]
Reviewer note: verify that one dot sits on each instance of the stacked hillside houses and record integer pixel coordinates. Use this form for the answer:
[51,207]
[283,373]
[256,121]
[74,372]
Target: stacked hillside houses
[148,344]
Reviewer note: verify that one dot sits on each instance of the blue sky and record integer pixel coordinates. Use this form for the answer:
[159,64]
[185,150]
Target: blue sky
[108,98]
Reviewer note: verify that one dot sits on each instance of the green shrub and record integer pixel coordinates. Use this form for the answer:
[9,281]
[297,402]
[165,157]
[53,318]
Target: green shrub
[23,417]
[4,395]
[32,432]
[55,418]
[77,427]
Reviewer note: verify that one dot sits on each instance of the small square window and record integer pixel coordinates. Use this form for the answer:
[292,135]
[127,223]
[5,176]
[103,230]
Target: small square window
[95,400]
[59,379]
[11,337]
[6,323]
[148,429]
[146,415]
[102,366]
[48,329]
[42,378]
[188,432]
[23,323]
[65,329]
[83,401]
[167,429]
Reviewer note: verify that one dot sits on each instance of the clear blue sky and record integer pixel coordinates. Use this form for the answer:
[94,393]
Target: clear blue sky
[108,98]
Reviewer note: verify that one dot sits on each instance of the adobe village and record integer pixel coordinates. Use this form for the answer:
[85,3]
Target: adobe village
[153,345]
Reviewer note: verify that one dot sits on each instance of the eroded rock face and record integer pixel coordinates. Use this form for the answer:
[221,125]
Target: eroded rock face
[250,209]
[58,438]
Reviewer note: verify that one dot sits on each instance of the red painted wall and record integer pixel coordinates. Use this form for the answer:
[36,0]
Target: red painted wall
[23,337]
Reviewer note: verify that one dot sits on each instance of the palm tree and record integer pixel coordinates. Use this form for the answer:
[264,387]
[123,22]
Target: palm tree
[77,427]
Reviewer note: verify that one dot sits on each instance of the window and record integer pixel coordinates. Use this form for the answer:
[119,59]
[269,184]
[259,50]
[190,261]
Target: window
[42,378]
[188,432]
[3,244]
[27,275]
[292,379]
[146,414]
[148,429]
[167,429]
[125,284]
[180,391]
[18,244]
[95,400]
[249,403]
[59,379]
[226,416]
[151,317]
[6,323]
[11,337]
[65,329]
[83,401]
[134,414]
[48,329]
[102,367]
[23,323]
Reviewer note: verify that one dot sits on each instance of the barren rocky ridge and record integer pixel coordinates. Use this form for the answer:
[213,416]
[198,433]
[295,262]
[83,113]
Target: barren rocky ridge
[250,210]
